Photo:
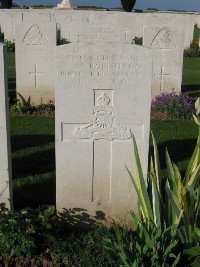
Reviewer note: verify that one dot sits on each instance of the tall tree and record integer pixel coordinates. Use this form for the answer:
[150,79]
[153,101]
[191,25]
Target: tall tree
[6,3]
[128,5]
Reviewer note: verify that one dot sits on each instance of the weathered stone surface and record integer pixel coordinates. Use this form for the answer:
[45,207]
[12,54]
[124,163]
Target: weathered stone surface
[167,42]
[81,18]
[5,154]
[103,93]
[8,21]
[35,43]
[37,15]
[98,26]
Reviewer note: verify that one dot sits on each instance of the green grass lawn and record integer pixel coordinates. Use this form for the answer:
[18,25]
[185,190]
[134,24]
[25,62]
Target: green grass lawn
[178,136]
[191,75]
[11,75]
[33,154]
[33,160]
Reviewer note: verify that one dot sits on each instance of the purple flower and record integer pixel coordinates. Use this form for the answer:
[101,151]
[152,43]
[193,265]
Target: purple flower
[178,106]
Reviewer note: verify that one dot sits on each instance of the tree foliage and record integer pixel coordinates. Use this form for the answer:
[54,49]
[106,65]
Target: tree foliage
[128,5]
[6,3]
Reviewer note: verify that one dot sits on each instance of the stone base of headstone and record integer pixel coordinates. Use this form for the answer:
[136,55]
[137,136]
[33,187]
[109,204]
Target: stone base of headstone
[66,4]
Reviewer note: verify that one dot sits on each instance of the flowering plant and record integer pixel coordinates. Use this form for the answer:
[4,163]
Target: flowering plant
[177,106]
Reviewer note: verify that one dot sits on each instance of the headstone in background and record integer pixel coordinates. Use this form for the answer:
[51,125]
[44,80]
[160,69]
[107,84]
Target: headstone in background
[5,153]
[10,18]
[167,42]
[79,26]
[37,15]
[103,93]
[35,43]
[8,21]
[189,21]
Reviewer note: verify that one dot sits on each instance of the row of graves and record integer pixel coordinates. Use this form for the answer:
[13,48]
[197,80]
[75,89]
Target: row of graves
[35,37]
[102,84]
[35,33]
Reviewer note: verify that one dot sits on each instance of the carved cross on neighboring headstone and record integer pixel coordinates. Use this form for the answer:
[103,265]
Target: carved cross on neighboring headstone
[36,74]
[126,31]
[162,75]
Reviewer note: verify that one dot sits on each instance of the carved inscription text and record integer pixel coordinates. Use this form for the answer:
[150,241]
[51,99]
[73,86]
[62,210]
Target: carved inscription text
[102,69]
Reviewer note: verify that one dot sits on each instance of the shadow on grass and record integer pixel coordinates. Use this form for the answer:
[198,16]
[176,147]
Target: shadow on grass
[29,162]
[19,142]
[33,168]
[35,195]
[12,84]
[190,88]
[34,164]
[179,150]
[12,89]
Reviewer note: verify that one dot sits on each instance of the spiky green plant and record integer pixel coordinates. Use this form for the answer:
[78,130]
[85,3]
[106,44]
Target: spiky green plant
[174,200]
[146,246]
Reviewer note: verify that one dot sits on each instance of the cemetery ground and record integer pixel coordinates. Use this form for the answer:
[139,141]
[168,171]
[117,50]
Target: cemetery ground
[33,167]
[33,148]
[33,154]
[191,77]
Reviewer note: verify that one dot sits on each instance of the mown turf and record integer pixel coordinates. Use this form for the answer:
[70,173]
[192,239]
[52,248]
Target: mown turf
[191,75]
[33,154]
[178,136]
[11,75]
[33,160]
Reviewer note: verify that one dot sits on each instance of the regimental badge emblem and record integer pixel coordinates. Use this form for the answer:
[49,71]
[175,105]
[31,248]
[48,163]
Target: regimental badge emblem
[103,125]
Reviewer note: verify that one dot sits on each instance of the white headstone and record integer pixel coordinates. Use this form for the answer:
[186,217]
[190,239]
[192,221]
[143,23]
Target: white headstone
[37,15]
[167,42]
[8,21]
[35,43]
[103,93]
[97,26]
[5,154]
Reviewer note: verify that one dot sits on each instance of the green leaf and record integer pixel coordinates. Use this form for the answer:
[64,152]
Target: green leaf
[147,210]
[176,260]
[139,194]
[193,251]
[176,208]
[157,163]
[134,220]
[156,203]
[170,170]
[193,163]
[194,178]
[170,247]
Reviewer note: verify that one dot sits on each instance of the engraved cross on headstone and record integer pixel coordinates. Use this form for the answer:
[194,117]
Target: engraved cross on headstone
[162,75]
[36,74]
[101,132]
